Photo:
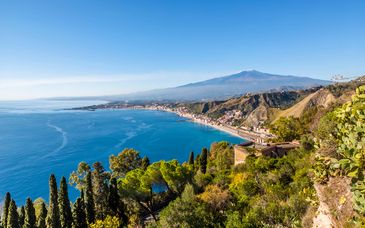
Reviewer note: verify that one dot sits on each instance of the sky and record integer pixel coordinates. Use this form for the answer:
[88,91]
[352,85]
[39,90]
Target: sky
[90,48]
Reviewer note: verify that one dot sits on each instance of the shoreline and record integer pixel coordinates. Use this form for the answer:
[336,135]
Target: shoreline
[217,127]
[245,135]
[227,129]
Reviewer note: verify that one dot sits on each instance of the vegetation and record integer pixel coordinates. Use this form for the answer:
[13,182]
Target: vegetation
[30,217]
[287,129]
[342,135]
[207,190]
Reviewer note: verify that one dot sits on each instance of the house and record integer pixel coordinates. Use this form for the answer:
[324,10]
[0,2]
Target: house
[241,151]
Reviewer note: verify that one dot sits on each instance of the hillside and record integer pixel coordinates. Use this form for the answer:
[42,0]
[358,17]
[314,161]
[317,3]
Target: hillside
[264,108]
[321,98]
[225,87]
[256,109]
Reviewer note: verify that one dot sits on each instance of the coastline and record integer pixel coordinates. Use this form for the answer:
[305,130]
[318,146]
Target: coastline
[229,130]
[245,135]
[217,127]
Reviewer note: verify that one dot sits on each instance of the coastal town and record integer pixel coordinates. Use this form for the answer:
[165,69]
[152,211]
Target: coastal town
[257,135]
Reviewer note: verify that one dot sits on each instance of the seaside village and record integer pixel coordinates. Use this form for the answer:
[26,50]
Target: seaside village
[258,138]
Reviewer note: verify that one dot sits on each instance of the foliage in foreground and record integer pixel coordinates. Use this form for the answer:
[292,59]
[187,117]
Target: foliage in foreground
[342,132]
[207,191]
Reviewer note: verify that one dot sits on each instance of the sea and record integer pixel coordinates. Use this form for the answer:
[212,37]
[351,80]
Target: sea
[41,137]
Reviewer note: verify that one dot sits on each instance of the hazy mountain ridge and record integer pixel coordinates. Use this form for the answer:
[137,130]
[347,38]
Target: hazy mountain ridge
[225,87]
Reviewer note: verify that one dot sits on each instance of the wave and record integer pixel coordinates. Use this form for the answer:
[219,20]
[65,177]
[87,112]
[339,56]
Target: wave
[64,139]
[131,134]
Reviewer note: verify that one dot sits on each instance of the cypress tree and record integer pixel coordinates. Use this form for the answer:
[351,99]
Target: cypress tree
[64,205]
[113,197]
[30,218]
[53,216]
[41,223]
[191,158]
[145,163]
[7,202]
[89,200]
[13,217]
[100,179]
[21,216]
[204,160]
[78,214]
[197,162]
[82,196]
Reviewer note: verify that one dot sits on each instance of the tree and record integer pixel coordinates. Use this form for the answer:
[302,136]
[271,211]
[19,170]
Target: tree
[217,198]
[7,202]
[137,186]
[100,187]
[41,223]
[221,156]
[109,221]
[78,177]
[78,214]
[145,163]
[126,161]
[204,160]
[64,205]
[21,216]
[287,129]
[30,217]
[191,158]
[89,200]
[53,216]
[185,211]
[175,175]
[197,163]
[13,217]
[115,204]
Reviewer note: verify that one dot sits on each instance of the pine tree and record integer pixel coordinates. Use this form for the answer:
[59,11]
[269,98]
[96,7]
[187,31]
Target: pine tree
[30,218]
[204,160]
[53,216]
[21,216]
[145,163]
[78,214]
[89,200]
[191,158]
[7,202]
[13,217]
[41,223]
[64,205]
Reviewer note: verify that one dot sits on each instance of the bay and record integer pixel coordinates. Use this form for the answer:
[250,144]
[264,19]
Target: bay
[38,138]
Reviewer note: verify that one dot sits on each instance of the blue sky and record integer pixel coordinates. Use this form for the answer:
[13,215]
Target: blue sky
[84,48]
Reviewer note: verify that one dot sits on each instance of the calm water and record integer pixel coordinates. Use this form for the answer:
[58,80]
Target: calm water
[37,139]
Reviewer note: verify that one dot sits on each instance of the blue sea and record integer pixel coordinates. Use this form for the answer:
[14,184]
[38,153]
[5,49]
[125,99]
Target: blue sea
[38,138]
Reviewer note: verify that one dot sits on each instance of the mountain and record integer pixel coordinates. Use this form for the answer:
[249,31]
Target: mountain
[221,88]
[264,108]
